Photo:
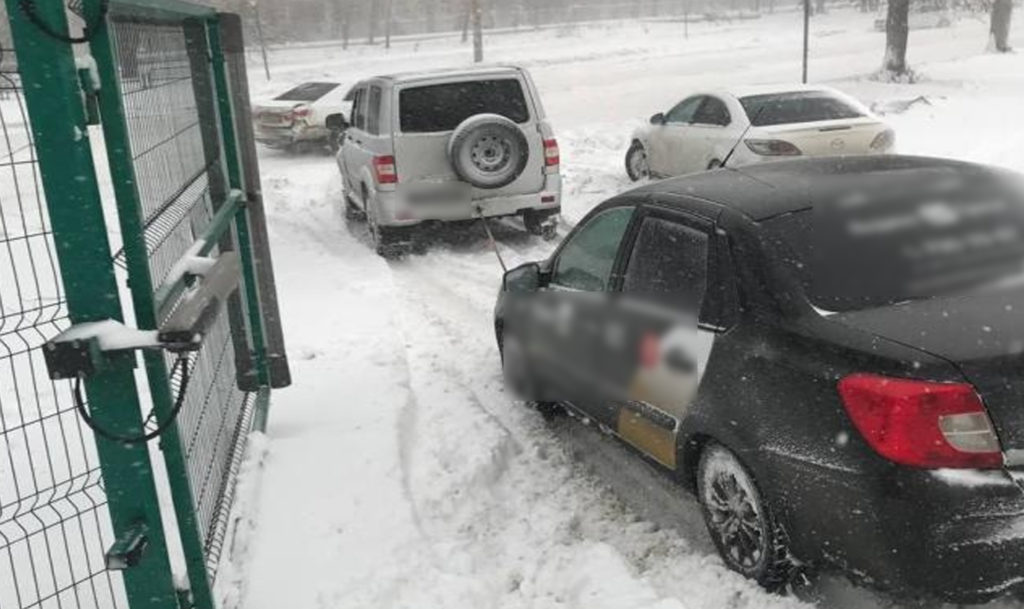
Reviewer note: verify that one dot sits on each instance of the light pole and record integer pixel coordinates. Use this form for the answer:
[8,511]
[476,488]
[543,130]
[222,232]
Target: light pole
[807,31]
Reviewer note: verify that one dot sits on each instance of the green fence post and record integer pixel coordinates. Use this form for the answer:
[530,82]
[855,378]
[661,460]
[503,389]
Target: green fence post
[122,171]
[52,93]
[234,168]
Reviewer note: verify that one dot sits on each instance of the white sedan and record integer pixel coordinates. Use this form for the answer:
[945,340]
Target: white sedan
[755,124]
[297,118]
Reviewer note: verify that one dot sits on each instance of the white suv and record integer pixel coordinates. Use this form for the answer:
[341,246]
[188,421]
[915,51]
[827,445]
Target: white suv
[447,146]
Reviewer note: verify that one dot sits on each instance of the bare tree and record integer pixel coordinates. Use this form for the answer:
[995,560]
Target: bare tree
[1002,11]
[897,31]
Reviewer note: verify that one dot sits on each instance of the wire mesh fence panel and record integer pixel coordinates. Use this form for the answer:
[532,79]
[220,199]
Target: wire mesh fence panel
[177,181]
[54,525]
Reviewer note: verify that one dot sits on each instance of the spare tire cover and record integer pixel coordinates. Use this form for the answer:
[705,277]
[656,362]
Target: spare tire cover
[488,151]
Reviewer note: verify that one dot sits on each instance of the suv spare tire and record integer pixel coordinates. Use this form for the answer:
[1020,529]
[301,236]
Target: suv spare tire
[488,151]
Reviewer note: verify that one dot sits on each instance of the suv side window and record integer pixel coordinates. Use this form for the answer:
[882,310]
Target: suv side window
[359,109]
[586,260]
[712,112]
[373,112]
[669,265]
[684,110]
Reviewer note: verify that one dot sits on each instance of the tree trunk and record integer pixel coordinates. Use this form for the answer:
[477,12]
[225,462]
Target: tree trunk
[387,23]
[897,30]
[1002,11]
[478,31]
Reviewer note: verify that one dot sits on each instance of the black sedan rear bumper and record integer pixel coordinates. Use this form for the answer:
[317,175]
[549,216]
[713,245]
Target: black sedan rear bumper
[956,536]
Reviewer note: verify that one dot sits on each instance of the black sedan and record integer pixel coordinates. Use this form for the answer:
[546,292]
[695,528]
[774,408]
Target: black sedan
[829,353]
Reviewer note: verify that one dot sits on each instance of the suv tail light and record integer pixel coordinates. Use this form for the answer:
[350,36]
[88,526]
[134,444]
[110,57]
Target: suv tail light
[384,169]
[922,423]
[551,156]
[301,111]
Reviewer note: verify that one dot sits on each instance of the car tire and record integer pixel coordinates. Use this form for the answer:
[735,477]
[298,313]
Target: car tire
[544,224]
[384,239]
[740,521]
[352,212]
[488,151]
[637,166]
[334,141]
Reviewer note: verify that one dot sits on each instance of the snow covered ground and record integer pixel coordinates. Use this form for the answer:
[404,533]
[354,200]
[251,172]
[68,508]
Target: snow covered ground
[397,472]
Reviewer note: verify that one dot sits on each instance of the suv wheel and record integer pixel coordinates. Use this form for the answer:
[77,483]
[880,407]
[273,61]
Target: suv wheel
[388,241]
[488,151]
[541,223]
[352,212]
[740,521]
[637,166]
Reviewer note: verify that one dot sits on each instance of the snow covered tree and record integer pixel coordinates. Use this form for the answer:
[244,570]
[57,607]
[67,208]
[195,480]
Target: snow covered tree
[1002,10]
[897,31]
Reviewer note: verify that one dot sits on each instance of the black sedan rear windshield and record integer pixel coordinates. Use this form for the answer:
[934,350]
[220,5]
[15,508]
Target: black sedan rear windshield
[442,107]
[859,251]
[308,92]
[796,107]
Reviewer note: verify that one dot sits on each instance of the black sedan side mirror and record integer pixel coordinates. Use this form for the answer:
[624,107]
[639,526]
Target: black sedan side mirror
[658,119]
[336,122]
[523,278]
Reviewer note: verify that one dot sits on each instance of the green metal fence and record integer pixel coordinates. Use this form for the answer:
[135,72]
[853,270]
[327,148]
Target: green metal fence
[168,283]
[54,525]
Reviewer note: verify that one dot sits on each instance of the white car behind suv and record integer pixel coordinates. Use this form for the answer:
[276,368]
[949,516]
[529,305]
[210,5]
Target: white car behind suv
[297,118]
[448,146]
[762,124]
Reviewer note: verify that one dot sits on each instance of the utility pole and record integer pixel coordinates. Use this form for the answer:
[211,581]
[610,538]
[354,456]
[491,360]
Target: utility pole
[476,14]
[807,34]
[387,23]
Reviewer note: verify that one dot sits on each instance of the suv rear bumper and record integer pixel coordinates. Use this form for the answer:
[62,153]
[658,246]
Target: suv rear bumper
[395,210]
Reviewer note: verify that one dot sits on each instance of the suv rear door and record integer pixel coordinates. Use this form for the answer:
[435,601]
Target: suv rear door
[353,155]
[428,112]
[368,136]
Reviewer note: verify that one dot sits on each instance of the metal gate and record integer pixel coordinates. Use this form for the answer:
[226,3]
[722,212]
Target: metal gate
[138,301]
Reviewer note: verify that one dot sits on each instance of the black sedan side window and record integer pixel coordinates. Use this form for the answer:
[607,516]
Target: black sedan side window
[669,265]
[586,260]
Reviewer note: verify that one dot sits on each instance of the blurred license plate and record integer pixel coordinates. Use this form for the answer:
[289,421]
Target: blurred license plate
[447,195]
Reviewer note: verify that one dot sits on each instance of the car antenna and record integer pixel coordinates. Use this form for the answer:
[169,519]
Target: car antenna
[490,237]
[757,115]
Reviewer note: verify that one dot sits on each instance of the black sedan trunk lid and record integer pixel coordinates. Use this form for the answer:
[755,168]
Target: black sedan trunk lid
[982,334]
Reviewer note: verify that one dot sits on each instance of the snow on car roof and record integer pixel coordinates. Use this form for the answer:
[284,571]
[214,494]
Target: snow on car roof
[402,77]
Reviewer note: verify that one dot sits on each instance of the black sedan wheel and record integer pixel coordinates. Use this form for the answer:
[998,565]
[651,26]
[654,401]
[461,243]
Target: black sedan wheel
[739,521]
